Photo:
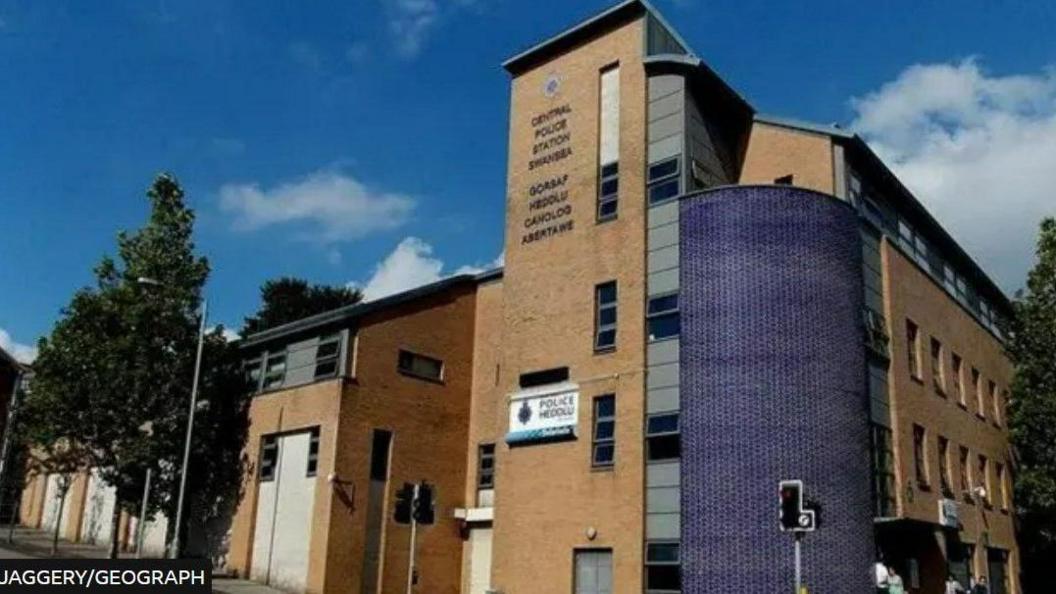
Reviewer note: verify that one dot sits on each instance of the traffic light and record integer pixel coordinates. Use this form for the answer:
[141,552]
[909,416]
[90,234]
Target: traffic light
[423,508]
[791,504]
[404,504]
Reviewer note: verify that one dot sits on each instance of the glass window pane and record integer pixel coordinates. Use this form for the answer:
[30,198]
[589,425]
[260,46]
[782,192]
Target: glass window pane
[661,552]
[606,406]
[604,453]
[664,326]
[662,424]
[607,209]
[666,447]
[610,187]
[610,169]
[607,293]
[604,430]
[663,303]
[606,338]
[663,191]
[662,577]
[663,169]
[607,316]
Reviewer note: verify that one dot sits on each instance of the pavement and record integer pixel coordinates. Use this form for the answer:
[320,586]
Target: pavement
[36,544]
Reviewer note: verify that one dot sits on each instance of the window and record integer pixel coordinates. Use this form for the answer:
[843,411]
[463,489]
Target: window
[420,366]
[546,376]
[252,371]
[662,568]
[938,376]
[944,465]
[958,386]
[920,456]
[663,180]
[381,441]
[486,466]
[883,471]
[269,457]
[977,389]
[913,349]
[997,569]
[984,478]
[662,320]
[784,180]
[275,371]
[966,479]
[313,452]
[608,191]
[603,451]
[326,356]
[605,316]
[1002,487]
[995,406]
[662,440]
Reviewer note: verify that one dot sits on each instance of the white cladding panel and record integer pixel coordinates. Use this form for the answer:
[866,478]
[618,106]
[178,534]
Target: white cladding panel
[479,560]
[98,510]
[609,143]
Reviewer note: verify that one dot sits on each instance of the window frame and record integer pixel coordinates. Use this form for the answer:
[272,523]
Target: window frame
[662,315]
[312,468]
[599,307]
[268,443]
[913,350]
[610,198]
[665,179]
[651,435]
[488,472]
[602,442]
[334,358]
[662,563]
[943,450]
[920,457]
[964,455]
[957,370]
[410,371]
[938,370]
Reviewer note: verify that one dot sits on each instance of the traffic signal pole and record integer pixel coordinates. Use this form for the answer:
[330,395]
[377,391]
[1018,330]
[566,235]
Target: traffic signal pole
[414,534]
[798,561]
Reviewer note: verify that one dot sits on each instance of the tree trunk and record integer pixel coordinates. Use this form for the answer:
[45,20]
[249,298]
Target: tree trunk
[58,521]
[115,525]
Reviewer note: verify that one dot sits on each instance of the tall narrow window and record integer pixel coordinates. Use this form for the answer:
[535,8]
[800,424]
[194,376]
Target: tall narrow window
[920,455]
[313,452]
[983,477]
[664,180]
[269,457]
[883,471]
[486,466]
[605,316]
[1002,487]
[275,370]
[381,441]
[662,317]
[662,438]
[958,385]
[938,374]
[977,390]
[609,144]
[995,405]
[913,349]
[966,479]
[944,465]
[603,450]
[662,568]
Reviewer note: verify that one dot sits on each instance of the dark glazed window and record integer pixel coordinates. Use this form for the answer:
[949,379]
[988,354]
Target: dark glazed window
[486,466]
[420,366]
[605,316]
[662,320]
[269,457]
[313,452]
[662,439]
[603,450]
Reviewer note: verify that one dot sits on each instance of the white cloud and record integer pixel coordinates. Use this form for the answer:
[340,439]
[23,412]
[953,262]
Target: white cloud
[336,207]
[410,22]
[21,352]
[410,265]
[978,149]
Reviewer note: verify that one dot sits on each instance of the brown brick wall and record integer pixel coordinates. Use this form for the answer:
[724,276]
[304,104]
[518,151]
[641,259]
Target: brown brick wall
[547,496]
[911,294]
[776,151]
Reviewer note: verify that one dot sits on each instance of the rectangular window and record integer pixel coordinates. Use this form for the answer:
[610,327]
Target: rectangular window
[269,457]
[662,568]
[381,442]
[1002,486]
[944,466]
[313,452]
[913,349]
[486,466]
[663,180]
[938,375]
[605,316]
[984,478]
[327,354]
[603,450]
[609,143]
[883,471]
[977,389]
[995,405]
[253,370]
[662,320]
[275,371]
[662,439]
[966,479]
[543,377]
[920,456]
[958,385]
[997,569]
[420,366]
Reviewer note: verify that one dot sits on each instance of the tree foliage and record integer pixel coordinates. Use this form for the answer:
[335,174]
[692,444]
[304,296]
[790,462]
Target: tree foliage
[115,374]
[286,299]
[1032,411]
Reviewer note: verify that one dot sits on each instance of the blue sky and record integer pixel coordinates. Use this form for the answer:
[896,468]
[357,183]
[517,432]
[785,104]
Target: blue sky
[365,141]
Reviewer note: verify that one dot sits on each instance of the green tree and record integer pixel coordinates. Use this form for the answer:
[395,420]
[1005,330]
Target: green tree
[287,299]
[1032,413]
[122,356]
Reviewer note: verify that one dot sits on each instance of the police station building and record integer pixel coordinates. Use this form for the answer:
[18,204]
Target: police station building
[698,302]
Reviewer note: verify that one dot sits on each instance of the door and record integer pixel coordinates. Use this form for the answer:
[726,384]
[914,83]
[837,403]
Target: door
[285,498]
[997,561]
[479,560]
[594,572]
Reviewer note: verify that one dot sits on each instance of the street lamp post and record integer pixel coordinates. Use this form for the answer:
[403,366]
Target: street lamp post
[174,548]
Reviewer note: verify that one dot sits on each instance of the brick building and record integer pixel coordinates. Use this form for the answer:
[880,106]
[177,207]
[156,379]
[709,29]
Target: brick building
[697,302]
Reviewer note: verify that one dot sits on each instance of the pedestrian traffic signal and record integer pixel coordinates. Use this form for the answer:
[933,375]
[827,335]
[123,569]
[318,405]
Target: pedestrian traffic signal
[423,507]
[404,504]
[794,518]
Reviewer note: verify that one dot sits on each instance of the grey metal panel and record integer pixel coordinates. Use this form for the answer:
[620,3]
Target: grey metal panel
[662,259]
[663,282]
[661,376]
[662,474]
[661,400]
[665,106]
[664,84]
[664,351]
[666,526]
[879,412]
[839,171]
[663,214]
[662,236]
[872,281]
[664,149]
[666,126]
[661,500]
[874,300]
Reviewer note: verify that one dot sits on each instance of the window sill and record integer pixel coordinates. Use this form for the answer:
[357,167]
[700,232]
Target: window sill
[662,339]
[608,219]
[424,378]
[917,379]
[605,468]
[980,417]
[604,350]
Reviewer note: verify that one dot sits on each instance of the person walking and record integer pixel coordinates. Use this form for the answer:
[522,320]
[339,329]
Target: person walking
[894,582]
[953,586]
[880,577]
[981,587]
